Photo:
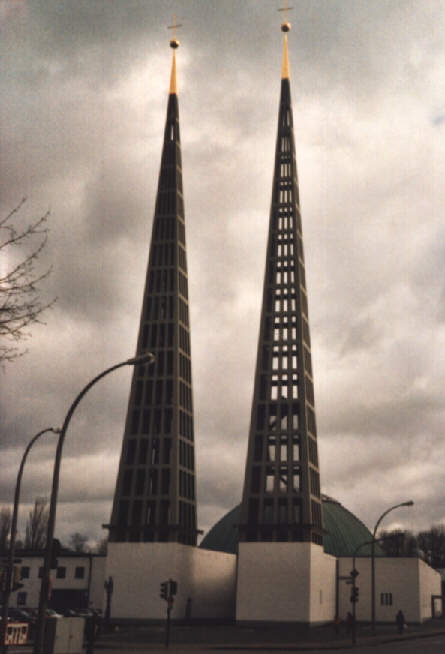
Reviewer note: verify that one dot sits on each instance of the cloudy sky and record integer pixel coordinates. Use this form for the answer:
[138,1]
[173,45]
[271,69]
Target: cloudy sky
[84,90]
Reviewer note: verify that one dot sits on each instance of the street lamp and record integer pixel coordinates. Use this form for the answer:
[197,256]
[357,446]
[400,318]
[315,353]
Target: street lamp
[13,536]
[385,513]
[147,357]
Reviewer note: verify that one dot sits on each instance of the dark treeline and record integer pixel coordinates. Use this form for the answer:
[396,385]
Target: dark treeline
[430,544]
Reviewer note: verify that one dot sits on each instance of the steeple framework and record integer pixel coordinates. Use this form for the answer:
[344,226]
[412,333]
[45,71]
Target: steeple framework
[281,498]
[155,491]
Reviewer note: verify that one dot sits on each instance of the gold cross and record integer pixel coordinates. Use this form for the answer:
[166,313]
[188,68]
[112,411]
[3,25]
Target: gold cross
[174,26]
[285,9]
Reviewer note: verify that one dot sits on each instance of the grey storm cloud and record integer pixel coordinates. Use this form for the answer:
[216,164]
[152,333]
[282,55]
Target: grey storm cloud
[84,95]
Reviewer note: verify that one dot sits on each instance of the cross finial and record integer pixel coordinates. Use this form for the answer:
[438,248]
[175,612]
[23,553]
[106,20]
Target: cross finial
[174,43]
[285,27]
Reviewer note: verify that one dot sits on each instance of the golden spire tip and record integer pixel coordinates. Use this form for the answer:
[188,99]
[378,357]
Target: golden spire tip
[285,66]
[173,83]
[174,43]
[285,28]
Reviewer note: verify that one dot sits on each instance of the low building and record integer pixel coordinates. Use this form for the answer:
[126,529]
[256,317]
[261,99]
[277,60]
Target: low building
[78,581]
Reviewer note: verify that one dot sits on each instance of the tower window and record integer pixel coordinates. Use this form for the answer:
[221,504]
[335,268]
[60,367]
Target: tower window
[271,448]
[258,452]
[131,451]
[284,484]
[268,511]
[296,478]
[167,450]
[151,508]
[270,480]
[282,511]
[283,449]
[128,478]
[255,484]
[140,482]
[146,422]
[165,482]
[143,448]
[155,451]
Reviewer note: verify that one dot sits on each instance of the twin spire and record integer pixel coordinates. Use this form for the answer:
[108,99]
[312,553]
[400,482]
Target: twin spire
[174,43]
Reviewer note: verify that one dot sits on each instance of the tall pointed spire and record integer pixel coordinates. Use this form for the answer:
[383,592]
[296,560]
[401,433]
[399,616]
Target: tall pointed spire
[155,491]
[281,497]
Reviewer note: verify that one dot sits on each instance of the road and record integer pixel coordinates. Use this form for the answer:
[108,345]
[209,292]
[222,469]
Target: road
[430,645]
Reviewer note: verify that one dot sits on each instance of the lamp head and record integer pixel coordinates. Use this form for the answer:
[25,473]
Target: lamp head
[409,503]
[145,357]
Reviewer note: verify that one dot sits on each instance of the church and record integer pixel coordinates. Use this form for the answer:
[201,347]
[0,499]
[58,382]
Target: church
[287,553]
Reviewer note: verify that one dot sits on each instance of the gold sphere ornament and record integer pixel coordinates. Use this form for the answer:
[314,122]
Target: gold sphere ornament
[174,43]
[285,27]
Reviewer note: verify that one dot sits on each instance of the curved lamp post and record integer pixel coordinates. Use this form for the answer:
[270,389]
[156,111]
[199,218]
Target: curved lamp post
[385,513]
[148,357]
[13,536]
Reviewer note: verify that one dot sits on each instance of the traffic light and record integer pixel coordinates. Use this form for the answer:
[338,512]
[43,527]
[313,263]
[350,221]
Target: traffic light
[173,587]
[354,594]
[16,578]
[164,590]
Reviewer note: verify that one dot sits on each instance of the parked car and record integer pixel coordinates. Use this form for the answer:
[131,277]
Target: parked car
[51,613]
[19,615]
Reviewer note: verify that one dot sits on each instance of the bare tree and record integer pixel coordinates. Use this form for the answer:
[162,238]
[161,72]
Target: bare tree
[5,526]
[20,302]
[35,538]
[399,543]
[101,546]
[432,543]
[78,542]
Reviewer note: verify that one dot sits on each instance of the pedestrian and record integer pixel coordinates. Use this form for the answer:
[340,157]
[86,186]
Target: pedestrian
[349,622]
[337,623]
[400,621]
[188,609]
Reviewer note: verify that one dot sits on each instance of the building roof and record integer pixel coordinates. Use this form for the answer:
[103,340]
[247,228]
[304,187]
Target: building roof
[344,532]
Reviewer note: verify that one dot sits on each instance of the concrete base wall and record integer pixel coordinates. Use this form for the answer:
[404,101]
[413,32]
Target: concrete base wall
[430,583]
[285,582]
[204,576]
[322,599]
[400,583]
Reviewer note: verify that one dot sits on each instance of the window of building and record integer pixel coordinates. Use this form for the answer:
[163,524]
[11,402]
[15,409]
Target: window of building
[21,598]
[79,572]
[25,572]
[386,599]
[61,572]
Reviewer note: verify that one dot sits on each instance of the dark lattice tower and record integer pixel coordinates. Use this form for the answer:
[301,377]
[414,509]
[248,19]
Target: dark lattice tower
[281,498]
[155,491]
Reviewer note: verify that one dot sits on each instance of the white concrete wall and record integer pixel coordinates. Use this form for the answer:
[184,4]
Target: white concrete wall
[213,583]
[97,582]
[410,581]
[285,582]
[430,583]
[322,591]
[138,569]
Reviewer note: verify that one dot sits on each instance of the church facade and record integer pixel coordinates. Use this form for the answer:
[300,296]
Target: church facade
[281,567]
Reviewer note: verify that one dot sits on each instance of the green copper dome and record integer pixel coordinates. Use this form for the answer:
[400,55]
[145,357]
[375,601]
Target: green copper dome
[343,532]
